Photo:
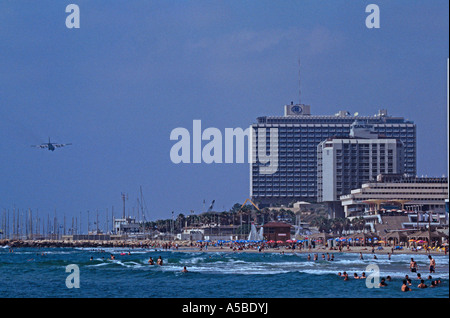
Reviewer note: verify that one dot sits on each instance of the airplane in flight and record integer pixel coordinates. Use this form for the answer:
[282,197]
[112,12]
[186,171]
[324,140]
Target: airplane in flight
[50,145]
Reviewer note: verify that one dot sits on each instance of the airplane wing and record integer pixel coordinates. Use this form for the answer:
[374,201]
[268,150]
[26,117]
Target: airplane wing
[40,146]
[61,145]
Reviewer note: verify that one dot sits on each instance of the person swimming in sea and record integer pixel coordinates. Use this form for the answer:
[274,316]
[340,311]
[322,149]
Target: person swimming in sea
[184,270]
[113,257]
[355,276]
[345,276]
[382,283]
[405,287]
[422,284]
[151,262]
[159,261]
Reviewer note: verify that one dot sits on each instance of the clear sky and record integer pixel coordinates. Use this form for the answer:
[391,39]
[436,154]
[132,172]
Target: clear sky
[135,70]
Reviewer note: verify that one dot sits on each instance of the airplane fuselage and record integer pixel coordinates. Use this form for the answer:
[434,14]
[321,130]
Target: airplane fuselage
[51,147]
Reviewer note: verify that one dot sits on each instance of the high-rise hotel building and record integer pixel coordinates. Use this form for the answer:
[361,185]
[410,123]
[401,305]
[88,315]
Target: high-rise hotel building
[346,162]
[299,134]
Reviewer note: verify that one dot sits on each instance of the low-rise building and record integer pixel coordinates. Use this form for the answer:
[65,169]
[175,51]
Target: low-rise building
[212,232]
[277,231]
[394,192]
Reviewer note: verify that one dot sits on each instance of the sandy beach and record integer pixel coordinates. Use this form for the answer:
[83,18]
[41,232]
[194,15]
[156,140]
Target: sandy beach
[187,246]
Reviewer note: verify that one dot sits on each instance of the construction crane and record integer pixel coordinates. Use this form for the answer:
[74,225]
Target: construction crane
[211,206]
[251,203]
[240,209]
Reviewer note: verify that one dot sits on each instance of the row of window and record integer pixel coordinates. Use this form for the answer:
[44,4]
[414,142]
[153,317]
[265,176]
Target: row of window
[288,194]
[425,198]
[346,129]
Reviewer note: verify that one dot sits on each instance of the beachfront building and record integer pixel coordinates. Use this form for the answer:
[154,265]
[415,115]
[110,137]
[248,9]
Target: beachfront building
[277,231]
[212,232]
[393,193]
[298,134]
[126,226]
[345,163]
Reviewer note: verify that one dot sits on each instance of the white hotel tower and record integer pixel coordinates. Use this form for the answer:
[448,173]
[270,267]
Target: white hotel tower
[345,163]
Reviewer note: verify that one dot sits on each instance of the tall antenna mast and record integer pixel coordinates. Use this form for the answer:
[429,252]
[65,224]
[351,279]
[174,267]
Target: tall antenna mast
[124,197]
[299,86]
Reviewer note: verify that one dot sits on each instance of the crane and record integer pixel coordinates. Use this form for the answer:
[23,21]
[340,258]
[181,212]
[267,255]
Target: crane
[240,209]
[211,206]
[251,203]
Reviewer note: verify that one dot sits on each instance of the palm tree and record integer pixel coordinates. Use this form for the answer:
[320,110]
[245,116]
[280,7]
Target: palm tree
[322,223]
[359,223]
[337,225]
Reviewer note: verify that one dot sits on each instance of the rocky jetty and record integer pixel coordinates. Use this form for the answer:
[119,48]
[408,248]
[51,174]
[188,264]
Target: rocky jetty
[86,243]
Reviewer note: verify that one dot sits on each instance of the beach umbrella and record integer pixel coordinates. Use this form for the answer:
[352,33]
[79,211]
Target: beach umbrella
[411,240]
[279,241]
[381,242]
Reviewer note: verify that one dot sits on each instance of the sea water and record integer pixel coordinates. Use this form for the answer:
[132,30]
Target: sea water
[33,273]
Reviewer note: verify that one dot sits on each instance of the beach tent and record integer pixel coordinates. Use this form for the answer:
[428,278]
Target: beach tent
[396,237]
[427,236]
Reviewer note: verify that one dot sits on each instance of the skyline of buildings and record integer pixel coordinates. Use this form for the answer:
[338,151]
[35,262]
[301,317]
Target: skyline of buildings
[299,134]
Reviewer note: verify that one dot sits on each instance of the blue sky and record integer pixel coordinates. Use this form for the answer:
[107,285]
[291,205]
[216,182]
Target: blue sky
[135,70]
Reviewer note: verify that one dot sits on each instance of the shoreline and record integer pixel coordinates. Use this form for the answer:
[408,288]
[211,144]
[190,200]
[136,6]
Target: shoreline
[185,246]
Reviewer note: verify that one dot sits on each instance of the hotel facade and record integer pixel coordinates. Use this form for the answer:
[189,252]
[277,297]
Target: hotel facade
[345,163]
[299,134]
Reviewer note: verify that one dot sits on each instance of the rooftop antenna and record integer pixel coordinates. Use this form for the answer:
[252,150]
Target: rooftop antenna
[299,86]
[124,197]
